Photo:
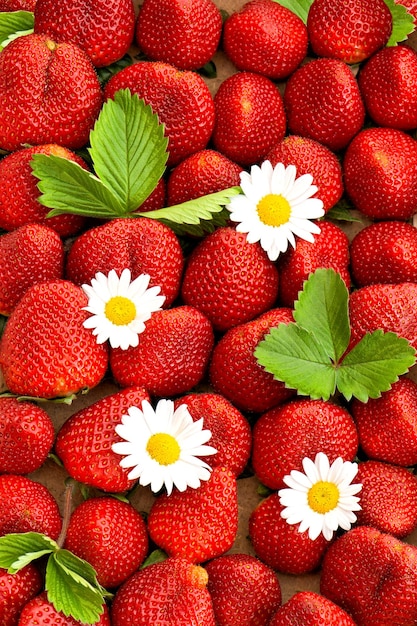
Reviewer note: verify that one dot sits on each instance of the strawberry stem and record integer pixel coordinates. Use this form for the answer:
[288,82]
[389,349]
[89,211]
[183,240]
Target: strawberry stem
[69,489]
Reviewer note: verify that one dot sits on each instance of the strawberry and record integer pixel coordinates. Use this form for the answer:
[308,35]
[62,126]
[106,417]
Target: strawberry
[311,157]
[249,117]
[30,254]
[45,351]
[17,5]
[27,505]
[143,245]
[234,371]
[380,173]
[111,535]
[41,612]
[244,590]
[387,83]
[27,435]
[100,22]
[310,609]
[265,37]
[204,172]
[170,593]
[156,199]
[279,544]
[300,428]
[411,6]
[330,249]
[19,192]
[183,34]
[16,590]
[373,576]
[387,426]
[84,441]
[55,100]
[231,434]
[197,524]
[228,279]
[350,31]
[323,102]
[181,99]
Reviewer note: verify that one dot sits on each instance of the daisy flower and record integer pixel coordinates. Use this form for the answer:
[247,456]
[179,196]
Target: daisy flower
[275,206]
[120,306]
[163,446]
[323,498]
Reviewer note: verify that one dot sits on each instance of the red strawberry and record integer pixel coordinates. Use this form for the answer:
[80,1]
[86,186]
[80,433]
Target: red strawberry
[17,5]
[323,102]
[204,172]
[156,199]
[372,576]
[84,441]
[250,117]
[56,99]
[197,524]
[265,37]
[244,590]
[228,279]
[310,609]
[107,29]
[171,593]
[27,505]
[330,249]
[279,544]
[41,612]
[27,435]
[350,31]
[16,590]
[234,371]
[181,99]
[184,34]
[143,245]
[45,351]
[387,426]
[311,157]
[283,436]
[380,173]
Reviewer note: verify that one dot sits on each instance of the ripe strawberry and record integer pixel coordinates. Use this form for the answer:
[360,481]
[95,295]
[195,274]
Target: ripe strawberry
[323,102]
[330,249]
[27,505]
[380,173]
[197,524]
[41,612]
[100,22]
[230,280]
[283,436]
[111,535]
[372,576]
[265,37]
[181,99]
[16,590]
[184,34]
[45,351]
[231,434]
[244,590]
[204,172]
[27,435]
[84,441]
[56,99]
[170,593]
[156,199]
[311,157]
[350,31]
[234,371]
[388,86]
[279,544]
[143,245]
[387,426]
[17,5]
[310,609]
[249,117]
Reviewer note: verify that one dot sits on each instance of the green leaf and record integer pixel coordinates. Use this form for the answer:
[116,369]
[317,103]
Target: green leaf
[342,212]
[156,556]
[402,22]
[19,549]
[299,7]
[14,24]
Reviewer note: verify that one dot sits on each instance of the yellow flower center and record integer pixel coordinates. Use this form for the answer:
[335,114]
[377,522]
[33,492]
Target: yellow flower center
[323,496]
[120,310]
[163,448]
[273,209]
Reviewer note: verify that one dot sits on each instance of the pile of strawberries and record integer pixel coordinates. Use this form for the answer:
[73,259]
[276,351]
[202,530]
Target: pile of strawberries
[320,85]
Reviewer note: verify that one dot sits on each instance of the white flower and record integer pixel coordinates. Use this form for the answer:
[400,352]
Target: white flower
[162,446]
[322,499]
[275,206]
[120,306]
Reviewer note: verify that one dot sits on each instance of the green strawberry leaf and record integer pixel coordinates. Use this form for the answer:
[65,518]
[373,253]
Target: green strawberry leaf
[402,22]
[342,211]
[14,24]
[19,549]
[156,556]
[299,7]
